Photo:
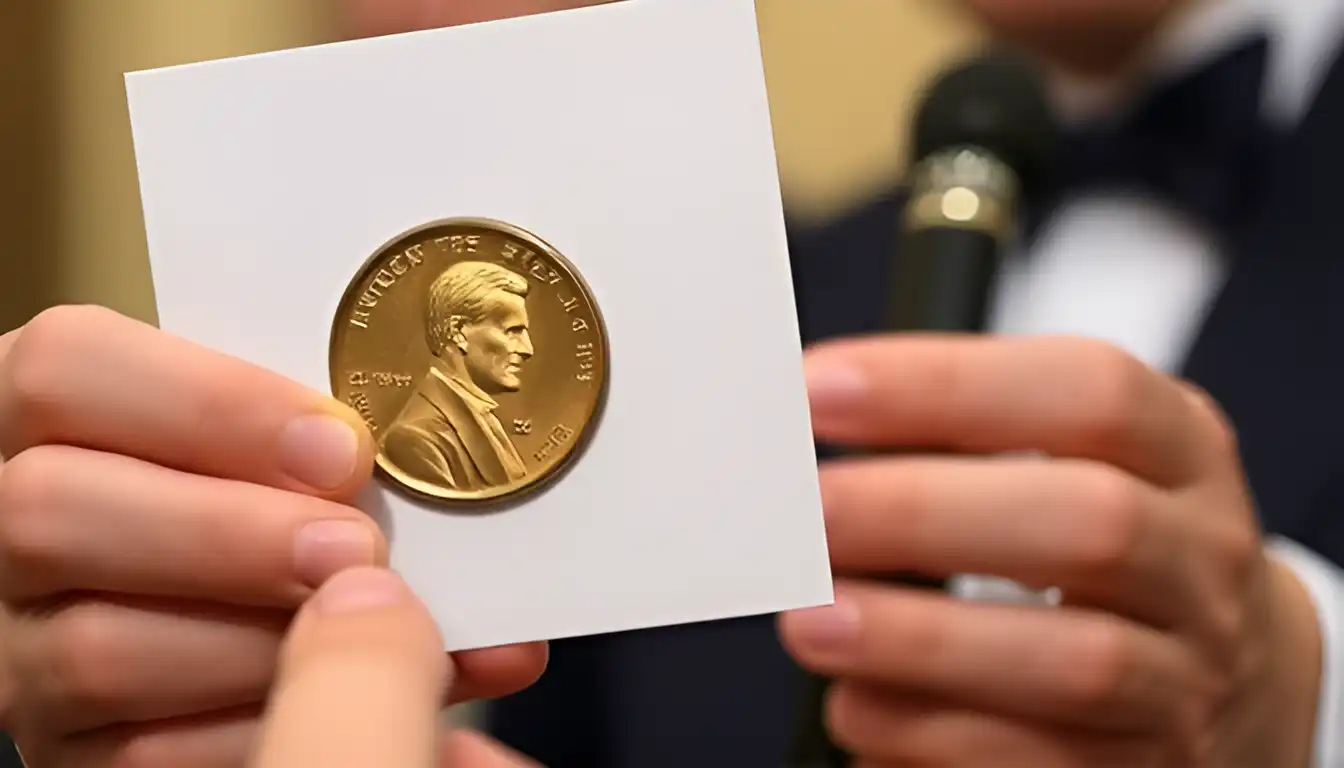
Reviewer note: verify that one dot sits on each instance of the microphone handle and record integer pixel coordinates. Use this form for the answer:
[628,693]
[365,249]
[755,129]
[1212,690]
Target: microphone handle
[940,282]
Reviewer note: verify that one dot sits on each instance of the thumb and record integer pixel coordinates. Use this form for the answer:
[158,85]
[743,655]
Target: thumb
[360,682]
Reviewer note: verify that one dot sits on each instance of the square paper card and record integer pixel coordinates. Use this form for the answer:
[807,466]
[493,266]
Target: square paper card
[544,258]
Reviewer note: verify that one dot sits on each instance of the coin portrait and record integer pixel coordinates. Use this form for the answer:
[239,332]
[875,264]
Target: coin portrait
[476,355]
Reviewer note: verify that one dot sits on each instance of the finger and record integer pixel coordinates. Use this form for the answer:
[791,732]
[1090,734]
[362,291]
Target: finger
[1102,536]
[360,682]
[6,341]
[465,749]
[216,740]
[1068,667]
[490,673]
[226,740]
[89,377]
[106,660]
[912,730]
[1063,397]
[78,519]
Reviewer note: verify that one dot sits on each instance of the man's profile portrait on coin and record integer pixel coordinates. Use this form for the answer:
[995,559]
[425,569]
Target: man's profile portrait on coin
[447,434]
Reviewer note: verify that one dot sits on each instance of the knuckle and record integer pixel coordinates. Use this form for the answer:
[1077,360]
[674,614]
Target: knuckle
[1237,562]
[143,750]
[35,368]
[28,484]
[82,664]
[861,720]
[1241,551]
[844,717]
[1115,506]
[1112,391]
[1189,738]
[837,498]
[65,322]
[1213,414]
[1226,625]
[1095,670]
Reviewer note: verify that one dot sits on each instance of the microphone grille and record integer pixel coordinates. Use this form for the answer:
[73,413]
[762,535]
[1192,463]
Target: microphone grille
[997,102]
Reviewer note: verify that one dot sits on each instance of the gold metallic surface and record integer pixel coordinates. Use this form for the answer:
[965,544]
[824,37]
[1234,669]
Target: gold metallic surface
[476,355]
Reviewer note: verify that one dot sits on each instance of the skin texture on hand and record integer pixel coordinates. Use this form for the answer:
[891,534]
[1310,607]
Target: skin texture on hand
[1287,676]
[359,685]
[164,511]
[1067,464]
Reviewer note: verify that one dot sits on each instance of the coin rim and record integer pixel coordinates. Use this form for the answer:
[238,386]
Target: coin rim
[419,489]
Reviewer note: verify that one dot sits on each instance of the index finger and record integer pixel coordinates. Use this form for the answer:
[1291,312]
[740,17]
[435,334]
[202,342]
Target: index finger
[6,339]
[89,377]
[1064,397]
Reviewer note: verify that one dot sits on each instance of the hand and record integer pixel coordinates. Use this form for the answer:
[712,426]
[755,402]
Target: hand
[360,682]
[164,510]
[1179,643]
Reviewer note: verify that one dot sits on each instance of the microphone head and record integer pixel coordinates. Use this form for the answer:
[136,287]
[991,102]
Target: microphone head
[996,102]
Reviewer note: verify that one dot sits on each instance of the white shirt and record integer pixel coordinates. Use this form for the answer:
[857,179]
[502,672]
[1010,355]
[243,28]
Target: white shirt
[1137,274]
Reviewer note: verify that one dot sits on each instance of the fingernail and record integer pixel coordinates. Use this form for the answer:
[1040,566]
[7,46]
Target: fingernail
[360,589]
[326,547]
[830,384]
[319,451]
[828,629]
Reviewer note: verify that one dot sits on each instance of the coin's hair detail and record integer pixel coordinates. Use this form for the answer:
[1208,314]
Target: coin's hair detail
[463,290]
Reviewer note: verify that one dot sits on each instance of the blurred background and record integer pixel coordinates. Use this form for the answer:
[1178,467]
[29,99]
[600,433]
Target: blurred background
[840,74]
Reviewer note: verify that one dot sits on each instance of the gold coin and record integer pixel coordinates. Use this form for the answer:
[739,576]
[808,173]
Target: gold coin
[476,355]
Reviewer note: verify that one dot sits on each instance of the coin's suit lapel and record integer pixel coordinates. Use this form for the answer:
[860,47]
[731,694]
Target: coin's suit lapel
[468,430]
[422,442]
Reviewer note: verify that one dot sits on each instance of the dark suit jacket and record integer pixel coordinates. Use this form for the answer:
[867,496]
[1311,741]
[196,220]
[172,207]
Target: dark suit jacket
[1271,351]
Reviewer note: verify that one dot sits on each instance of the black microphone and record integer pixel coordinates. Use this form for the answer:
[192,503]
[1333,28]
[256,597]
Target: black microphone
[983,133]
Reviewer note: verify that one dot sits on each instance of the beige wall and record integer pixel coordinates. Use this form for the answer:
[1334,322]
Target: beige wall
[101,238]
[840,74]
[26,156]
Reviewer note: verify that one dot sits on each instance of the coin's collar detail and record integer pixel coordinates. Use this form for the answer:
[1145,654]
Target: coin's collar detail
[464,389]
